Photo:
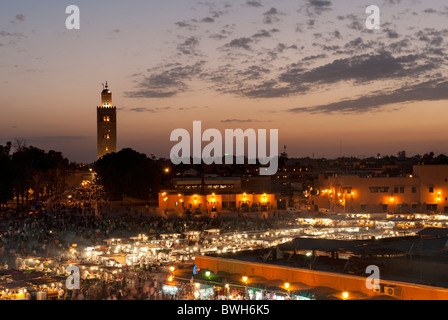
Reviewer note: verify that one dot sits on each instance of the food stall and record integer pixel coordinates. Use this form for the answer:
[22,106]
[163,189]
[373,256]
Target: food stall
[15,290]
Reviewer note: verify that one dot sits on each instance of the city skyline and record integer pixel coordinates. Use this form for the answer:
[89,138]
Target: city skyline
[310,69]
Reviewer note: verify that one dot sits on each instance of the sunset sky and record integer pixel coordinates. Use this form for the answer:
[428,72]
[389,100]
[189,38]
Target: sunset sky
[309,68]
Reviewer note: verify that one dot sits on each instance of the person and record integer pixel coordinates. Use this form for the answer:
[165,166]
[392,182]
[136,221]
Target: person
[155,284]
[61,294]
[152,293]
[80,295]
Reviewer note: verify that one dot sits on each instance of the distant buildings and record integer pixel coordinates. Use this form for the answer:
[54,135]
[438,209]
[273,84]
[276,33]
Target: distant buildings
[411,268]
[425,190]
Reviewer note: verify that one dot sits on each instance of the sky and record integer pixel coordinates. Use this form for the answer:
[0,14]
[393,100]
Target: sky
[309,68]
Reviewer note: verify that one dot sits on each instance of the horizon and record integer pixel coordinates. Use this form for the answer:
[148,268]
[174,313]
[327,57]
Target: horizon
[310,157]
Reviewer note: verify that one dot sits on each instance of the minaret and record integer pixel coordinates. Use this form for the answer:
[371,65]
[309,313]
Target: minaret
[106,124]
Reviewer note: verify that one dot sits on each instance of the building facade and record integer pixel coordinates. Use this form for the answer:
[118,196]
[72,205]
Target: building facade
[425,190]
[106,124]
[216,202]
[209,184]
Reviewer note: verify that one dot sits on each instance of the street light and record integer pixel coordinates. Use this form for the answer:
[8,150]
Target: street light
[345,295]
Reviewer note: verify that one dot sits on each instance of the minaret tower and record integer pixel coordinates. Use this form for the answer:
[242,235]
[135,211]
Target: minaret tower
[106,124]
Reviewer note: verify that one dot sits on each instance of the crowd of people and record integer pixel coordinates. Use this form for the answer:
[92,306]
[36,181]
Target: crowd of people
[50,232]
[130,286]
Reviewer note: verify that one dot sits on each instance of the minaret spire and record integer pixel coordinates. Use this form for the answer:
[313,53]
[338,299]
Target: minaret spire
[106,123]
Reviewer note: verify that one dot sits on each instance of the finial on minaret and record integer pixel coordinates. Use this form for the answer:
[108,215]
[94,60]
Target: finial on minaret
[107,85]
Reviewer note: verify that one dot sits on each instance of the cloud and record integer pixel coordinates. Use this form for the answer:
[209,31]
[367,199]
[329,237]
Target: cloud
[182,24]
[361,68]
[190,108]
[432,90]
[186,25]
[271,16]
[20,17]
[242,121]
[253,72]
[167,80]
[269,89]
[391,33]
[320,3]
[236,120]
[150,110]
[314,8]
[430,10]
[189,46]
[16,35]
[253,3]
[258,65]
[208,20]
[242,43]
[262,34]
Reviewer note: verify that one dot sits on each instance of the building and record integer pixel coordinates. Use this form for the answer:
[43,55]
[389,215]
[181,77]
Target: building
[208,183]
[411,268]
[216,202]
[425,190]
[106,124]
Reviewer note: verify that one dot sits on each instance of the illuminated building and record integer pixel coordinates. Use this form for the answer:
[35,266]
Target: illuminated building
[216,202]
[106,124]
[426,190]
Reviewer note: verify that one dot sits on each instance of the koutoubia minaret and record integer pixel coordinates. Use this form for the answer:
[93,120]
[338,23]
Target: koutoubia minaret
[106,124]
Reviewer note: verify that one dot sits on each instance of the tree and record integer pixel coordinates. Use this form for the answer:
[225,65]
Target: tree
[283,158]
[402,155]
[6,186]
[33,168]
[128,173]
